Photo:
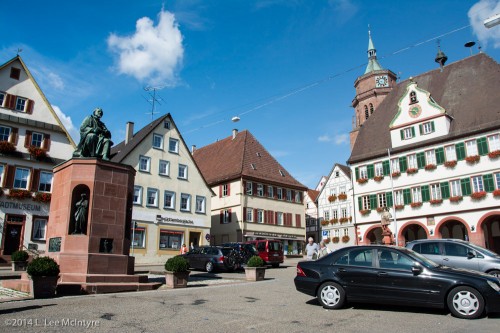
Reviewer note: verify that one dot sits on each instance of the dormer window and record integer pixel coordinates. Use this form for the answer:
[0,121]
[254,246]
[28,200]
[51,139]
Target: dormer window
[282,173]
[427,128]
[413,97]
[253,166]
[407,133]
[15,73]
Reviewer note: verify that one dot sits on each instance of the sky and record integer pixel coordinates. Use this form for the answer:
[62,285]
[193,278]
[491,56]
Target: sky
[286,68]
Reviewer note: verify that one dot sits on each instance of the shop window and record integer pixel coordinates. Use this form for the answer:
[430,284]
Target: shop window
[139,237]
[170,240]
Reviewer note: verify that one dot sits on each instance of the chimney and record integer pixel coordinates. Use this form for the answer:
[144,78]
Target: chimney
[235,131]
[129,131]
[193,149]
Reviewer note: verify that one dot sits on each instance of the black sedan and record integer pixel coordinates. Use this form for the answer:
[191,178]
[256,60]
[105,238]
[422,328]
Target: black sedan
[210,258]
[396,275]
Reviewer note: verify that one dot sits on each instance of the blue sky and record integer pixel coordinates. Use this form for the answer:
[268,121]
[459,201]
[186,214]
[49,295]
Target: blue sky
[285,67]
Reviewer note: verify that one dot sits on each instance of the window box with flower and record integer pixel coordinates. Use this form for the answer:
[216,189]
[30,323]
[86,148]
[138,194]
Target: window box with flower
[335,239]
[19,194]
[416,204]
[450,164]
[362,180]
[37,152]
[42,197]
[396,174]
[473,159]
[343,220]
[345,239]
[364,211]
[494,154]
[436,201]
[378,178]
[380,209]
[326,240]
[332,198]
[456,198]
[334,221]
[478,195]
[430,167]
[496,193]
[399,207]
[324,222]
[411,171]
[7,147]
[342,196]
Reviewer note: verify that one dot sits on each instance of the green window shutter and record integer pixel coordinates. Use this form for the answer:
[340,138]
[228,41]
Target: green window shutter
[421,129]
[373,201]
[403,165]
[386,167]
[356,171]
[445,190]
[360,203]
[420,160]
[466,189]
[425,193]
[482,146]
[432,127]
[402,134]
[371,171]
[440,155]
[412,132]
[489,185]
[406,196]
[460,149]
[388,196]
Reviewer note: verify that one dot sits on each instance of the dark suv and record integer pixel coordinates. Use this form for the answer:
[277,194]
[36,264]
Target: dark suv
[210,258]
[458,253]
[242,252]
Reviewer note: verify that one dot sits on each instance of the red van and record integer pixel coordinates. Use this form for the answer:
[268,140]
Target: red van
[271,251]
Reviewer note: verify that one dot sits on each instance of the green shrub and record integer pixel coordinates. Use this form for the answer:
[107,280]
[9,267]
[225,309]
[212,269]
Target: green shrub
[255,261]
[43,266]
[176,264]
[19,256]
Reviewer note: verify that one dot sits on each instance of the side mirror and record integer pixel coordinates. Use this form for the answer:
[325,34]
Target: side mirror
[470,255]
[416,269]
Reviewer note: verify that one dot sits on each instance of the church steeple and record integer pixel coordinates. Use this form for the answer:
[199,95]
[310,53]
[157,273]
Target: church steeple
[373,64]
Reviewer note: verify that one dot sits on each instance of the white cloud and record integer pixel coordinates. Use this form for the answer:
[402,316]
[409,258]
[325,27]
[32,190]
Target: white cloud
[279,153]
[344,10]
[67,123]
[477,14]
[338,139]
[55,81]
[153,54]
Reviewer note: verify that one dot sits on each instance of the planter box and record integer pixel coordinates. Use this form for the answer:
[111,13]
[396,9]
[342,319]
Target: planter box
[18,266]
[44,286]
[255,273]
[176,279]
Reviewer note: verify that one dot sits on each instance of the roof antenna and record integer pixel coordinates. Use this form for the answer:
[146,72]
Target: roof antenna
[155,99]
[469,45]
[440,57]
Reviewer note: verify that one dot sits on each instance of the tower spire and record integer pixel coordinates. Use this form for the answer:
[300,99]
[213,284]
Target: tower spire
[373,64]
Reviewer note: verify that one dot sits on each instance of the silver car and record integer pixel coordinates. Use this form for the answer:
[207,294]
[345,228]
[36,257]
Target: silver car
[458,253]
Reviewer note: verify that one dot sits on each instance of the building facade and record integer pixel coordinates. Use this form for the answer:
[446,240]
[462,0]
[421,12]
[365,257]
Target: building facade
[32,141]
[335,209]
[312,222]
[431,154]
[171,198]
[256,198]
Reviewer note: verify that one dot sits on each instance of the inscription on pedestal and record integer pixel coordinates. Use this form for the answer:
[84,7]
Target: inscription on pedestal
[55,244]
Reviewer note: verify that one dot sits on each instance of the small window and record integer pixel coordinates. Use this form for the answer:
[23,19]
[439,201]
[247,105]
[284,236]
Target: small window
[15,73]
[260,216]
[412,161]
[45,181]
[379,170]
[407,133]
[225,190]
[253,166]
[39,228]
[279,218]
[381,199]
[337,174]
[166,124]
[471,148]
[430,157]
[185,202]
[226,216]
[144,163]
[427,128]
[298,197]
[152,197]
[183,171]
[363,172]
[249,217]
[2,169]
[260,190]
[493,142]
[4,133]
[157,141]
[21,104]
[249,188]
[137,195]
[139,237]
[371,108]
[477,184]
[282,173]
[280,193]
[2,98]
[173,145]
[270,191]
[496,177]
[398,198]
[200,204]
[164,168]
[455,188]
[413,97]
[395,165]
[365,202]
[21,178]
[169,200]
[36,139]
[450,153]
[435,192]
[367,114]
[416,195]
[288,195]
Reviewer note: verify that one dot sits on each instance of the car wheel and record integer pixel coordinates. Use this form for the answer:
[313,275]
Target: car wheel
[465,302]
[331,295]
[495,272]
[209,266]
[276,265]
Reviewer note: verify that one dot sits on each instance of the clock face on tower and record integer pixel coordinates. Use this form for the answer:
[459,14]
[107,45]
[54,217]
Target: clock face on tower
[415,111]
[381,81]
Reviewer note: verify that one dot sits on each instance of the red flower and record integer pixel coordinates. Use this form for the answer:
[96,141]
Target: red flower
[342,196]
[7,147]
[436,201]
[399,207]
[450,164]
[380,209]
[496,193]
[473,158]
[396,174]
[37,152]
[19,194]
[332,198]
[378,178]
[456,198]
[415,204]
[364,211]
[345,239]
[430,167]
[362,180]
[335,239]
[411,171]
[42,197]
[478,195]
[494,154]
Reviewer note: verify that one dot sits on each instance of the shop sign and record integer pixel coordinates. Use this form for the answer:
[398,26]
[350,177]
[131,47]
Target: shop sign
[274,235]
[20,206]
[159,218]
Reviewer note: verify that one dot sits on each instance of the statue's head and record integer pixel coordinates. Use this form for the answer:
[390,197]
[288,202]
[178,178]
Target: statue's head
[98,112]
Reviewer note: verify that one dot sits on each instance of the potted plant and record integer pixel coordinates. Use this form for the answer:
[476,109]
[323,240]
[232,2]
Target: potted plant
[345,239]
[342,196]
[430,167]
[457,198]
[7,147]
[176,272]
[332,198]
[494,154]
[411,171]
[478,195]
[19,260]
[364,211]
[378,178]
[255,269]
[396,174]
[335,239]
[362,180]
[496,193]
[473,159]
[44,272]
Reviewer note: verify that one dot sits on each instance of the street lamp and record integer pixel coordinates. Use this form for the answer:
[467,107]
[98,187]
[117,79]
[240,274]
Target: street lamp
[492,21]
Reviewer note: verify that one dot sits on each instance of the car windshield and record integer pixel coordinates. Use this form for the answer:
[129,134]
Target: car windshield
[274,246]
[483,250]
[226,250]
[426,261]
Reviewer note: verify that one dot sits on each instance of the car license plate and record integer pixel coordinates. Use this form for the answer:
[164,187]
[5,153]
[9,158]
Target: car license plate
[275,255]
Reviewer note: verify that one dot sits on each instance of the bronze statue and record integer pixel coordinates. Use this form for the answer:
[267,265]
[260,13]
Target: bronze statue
[81,215]
[95,138]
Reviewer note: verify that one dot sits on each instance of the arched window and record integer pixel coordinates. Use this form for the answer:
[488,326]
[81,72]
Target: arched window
[366,112]
[371,108]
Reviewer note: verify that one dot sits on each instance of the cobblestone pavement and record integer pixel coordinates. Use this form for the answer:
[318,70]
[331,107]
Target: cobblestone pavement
[10,295]
[199,280]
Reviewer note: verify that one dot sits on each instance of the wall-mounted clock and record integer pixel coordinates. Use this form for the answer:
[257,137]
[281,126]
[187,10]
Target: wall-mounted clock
[381,81]
[415,110]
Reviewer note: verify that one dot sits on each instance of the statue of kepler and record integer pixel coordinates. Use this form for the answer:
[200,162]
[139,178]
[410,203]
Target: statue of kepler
[95,138]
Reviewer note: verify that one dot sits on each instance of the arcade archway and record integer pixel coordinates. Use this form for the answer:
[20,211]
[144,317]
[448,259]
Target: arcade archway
[453,229]
[413,231]
[490,227]
[374,236]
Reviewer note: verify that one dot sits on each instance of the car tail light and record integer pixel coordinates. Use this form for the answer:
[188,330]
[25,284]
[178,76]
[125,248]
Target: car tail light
[221,259]
[300,272]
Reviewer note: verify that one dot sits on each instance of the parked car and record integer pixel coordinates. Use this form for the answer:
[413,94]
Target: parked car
[458,253]
[242,252]
[210,258]
[271,251]
[396,275]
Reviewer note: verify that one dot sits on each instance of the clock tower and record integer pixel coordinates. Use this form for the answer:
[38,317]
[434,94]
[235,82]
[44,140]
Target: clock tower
[371,89]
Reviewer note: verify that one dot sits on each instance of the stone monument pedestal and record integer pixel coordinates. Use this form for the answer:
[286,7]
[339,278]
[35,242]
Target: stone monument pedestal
[93,255]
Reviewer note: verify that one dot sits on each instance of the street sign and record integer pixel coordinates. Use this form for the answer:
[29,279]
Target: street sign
[207,237]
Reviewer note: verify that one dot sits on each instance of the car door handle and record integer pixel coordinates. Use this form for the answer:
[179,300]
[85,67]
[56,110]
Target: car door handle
[446,259]
[383,274]
[342,270]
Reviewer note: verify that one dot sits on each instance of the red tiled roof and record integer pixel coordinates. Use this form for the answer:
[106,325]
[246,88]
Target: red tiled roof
[241,157]
[313,194]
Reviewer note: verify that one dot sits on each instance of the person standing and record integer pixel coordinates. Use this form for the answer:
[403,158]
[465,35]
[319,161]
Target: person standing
[323,250]
[184,249]
[311,248]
